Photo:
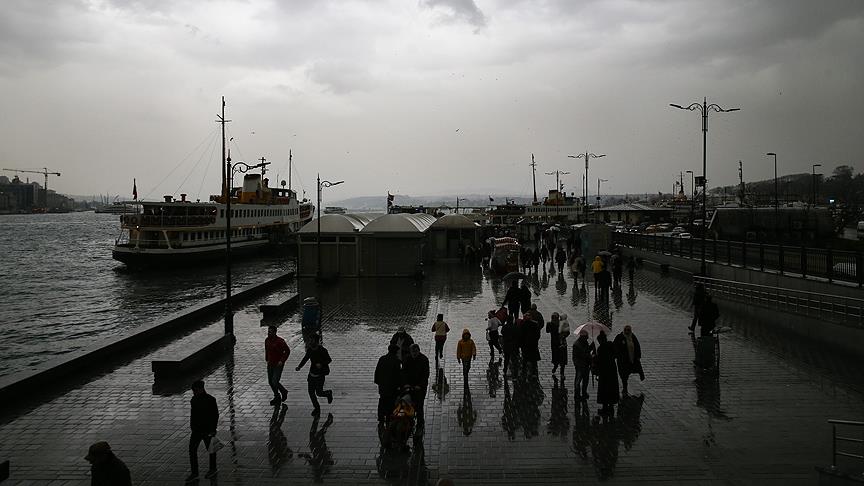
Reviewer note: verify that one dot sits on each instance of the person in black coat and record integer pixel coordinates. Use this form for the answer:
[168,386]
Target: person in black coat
[415,373]
[509,343]
[512,299]
[203,419]
[106,469]
[698,300]
[525,296]
[388,377]
[607,374]
[629,355]
[554,341]
[319,368]
[708,316]
[404,341]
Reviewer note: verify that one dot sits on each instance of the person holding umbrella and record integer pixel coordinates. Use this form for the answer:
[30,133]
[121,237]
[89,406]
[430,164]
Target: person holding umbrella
[583,355]
[513,298]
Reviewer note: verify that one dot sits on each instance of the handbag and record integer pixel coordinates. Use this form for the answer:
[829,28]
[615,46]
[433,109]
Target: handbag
[215,445]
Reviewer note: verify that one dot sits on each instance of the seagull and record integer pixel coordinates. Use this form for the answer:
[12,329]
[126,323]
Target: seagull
[457,129]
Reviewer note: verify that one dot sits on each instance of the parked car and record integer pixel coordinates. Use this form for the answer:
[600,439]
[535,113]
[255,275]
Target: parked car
[686,236]
[678,229]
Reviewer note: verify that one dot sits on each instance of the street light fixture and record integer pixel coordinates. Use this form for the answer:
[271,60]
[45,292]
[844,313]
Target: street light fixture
[776,184]
[232,169]
[704,108]
[814,182]
[692,195]
[586,156]
[321,184]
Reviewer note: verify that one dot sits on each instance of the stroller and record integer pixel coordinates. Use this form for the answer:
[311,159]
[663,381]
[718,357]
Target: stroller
[400,426]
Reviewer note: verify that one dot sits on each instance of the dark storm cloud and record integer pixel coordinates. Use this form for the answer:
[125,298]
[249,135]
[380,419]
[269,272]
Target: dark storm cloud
[458,10]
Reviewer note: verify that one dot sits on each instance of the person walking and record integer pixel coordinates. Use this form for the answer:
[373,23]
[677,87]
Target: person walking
[404,341]
[560,258]
[106,469]
[531,353]
[276,353]
[583,355]
[535,315]
[563,332]
[528,262]
[440,328]
[513,298]
[605,284]
[580,267]
[466,352]
[510,344]
[554,342]
[607,375]
[319,368]
[708,316]
[416,375]
[524,297]
[203,419]
[597,268]
[617,269]
[544,255]
[492,336]
[388,377]
[536,260]
[698,300]
[628,352]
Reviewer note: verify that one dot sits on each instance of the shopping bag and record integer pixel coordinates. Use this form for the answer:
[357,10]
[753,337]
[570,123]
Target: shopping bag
[215,445]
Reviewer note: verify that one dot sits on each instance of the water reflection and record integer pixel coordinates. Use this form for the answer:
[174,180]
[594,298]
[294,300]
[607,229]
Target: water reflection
[528,395]
[509,420]
[631,294]
[319,456]
[277,444]
[465,414]
[440,387]
[561,284]
[604,435]
[601,313]
[493,377]
[402,465]
[559,421]
[616,298]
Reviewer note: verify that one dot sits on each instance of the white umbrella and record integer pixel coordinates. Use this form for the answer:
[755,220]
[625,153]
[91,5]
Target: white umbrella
[593,329]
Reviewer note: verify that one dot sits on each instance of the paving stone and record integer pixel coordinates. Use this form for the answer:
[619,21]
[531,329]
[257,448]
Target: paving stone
[763,421]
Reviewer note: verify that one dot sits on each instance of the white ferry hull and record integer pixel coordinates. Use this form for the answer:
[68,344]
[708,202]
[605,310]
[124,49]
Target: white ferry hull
[173,257]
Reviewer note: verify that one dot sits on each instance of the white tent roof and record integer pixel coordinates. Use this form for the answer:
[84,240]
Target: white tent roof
[400,223]
[339,223]
[454,221]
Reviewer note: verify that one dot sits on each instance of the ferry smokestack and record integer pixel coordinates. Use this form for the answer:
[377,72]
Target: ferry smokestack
[168,198]
[182,197]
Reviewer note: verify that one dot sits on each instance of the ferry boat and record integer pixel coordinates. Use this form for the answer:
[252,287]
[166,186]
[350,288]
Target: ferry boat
[179,232]
[335,210]
[172,232]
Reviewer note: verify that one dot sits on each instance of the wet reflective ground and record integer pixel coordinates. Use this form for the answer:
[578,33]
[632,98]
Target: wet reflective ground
[761,422]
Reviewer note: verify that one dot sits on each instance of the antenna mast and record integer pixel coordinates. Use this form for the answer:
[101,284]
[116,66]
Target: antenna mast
[534,176]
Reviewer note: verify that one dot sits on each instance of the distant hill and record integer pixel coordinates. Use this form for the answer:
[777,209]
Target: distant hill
[380,202]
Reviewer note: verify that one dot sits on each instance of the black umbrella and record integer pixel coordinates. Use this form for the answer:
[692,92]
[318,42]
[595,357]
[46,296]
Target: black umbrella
[514,275]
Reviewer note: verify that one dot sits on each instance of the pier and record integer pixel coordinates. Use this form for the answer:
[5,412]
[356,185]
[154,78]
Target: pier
[763,421]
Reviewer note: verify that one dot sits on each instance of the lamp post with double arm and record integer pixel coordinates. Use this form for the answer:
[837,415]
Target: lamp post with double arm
[704,108]
[587,155]
[321,184]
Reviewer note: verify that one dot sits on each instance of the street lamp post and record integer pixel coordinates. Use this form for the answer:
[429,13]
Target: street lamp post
[321,184]
[704,108]
[598,189]
[776,183]
[232,169]
[586,156]
[814,182]
[692,194]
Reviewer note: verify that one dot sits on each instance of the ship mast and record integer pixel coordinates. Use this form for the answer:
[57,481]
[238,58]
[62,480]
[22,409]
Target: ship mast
[534,176]
[289,170]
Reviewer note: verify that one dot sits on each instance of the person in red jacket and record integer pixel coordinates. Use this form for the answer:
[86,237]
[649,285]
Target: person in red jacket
[276,352]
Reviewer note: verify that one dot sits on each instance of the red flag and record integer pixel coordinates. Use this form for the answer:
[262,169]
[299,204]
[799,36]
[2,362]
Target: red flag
[134,190]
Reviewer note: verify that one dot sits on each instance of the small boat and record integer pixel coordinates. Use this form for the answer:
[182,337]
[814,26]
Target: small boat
[334,210]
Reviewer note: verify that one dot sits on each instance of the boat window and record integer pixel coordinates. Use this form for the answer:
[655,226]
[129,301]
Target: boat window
[185,236]
[221,213]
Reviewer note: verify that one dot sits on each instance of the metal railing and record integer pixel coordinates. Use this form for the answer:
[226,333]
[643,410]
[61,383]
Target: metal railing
[835,438]
[839,265]
[846,310]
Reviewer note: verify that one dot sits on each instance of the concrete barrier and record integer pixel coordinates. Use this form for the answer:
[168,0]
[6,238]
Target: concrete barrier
[270,311]
[180,362]
[16,385]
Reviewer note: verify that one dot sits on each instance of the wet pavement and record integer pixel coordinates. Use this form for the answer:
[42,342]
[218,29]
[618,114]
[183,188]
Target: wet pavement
[763,421]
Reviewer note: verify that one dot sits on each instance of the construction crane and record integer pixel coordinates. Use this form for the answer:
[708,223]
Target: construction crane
[44,172]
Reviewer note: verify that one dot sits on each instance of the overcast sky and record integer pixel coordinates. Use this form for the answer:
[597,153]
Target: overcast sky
[427,97]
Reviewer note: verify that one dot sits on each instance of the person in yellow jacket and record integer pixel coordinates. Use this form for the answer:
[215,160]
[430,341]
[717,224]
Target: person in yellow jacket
[597,268]
[466,351]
